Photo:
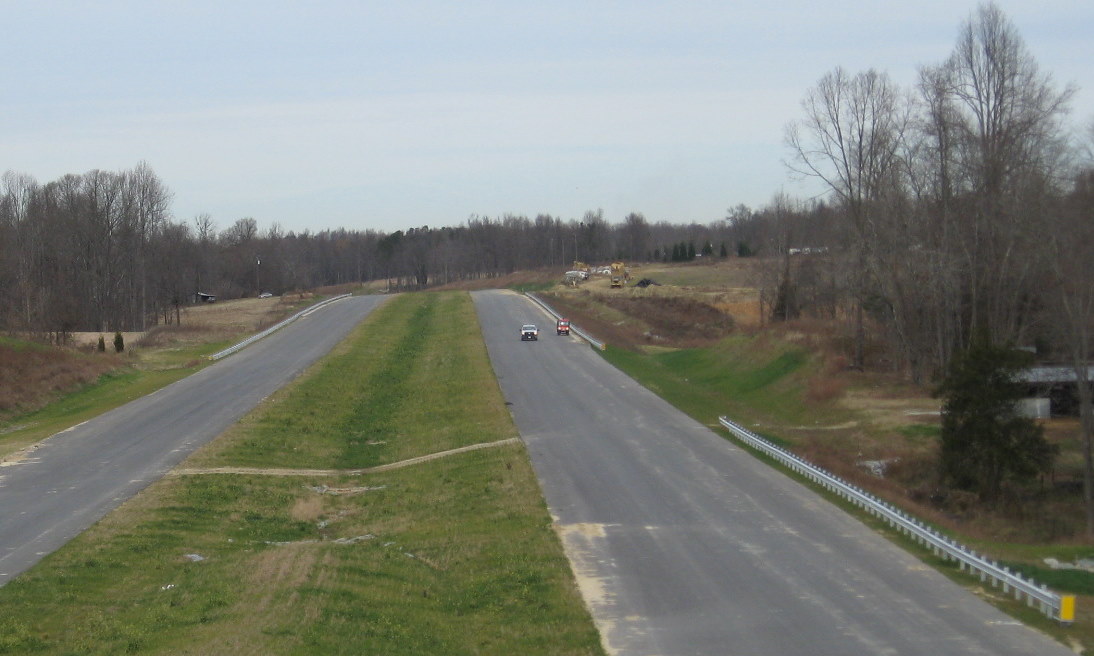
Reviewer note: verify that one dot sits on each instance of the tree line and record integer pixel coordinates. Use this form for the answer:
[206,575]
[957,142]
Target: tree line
[102,252]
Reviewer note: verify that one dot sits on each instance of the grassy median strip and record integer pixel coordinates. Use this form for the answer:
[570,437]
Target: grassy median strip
[451,555]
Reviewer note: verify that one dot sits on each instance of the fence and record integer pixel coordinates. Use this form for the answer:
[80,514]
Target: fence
[1058,607]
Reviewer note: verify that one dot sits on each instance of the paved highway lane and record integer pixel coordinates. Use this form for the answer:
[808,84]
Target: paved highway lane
[685,544]
[75,477]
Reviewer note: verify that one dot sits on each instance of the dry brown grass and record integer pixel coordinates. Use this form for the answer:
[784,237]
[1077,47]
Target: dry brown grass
[889,404]
[713,275]
[820,389]
[516,279]
[584,311]
[674,319]
[286,567]
[33,375]
[307,509]
[745,310]
[90,340]
[245,314]
[205,322]
[662,314]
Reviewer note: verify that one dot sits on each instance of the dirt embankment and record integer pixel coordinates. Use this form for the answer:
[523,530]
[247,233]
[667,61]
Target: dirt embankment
[634,321]
[32,375]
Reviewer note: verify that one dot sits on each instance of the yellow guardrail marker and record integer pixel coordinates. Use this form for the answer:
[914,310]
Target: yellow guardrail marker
[1067,608]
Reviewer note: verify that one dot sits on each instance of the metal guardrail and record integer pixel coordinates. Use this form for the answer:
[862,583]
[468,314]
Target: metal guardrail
[254,338]
[1058,607]
[574,329]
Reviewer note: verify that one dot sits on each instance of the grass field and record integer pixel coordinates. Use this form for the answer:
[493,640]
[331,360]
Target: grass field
[298,555]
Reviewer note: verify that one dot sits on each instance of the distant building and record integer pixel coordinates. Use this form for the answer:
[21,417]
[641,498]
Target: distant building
[202,297]
[1056,383]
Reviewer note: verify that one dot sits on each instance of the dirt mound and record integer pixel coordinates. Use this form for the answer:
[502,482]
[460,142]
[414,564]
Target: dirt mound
[674,319]
[633,321]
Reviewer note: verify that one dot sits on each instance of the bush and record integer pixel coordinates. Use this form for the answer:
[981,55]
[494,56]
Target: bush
[119,343]
[102,344]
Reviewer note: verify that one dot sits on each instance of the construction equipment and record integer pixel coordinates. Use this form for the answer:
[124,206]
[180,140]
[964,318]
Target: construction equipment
[619,274]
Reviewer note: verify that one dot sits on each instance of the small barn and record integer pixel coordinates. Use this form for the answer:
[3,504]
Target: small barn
[1057,384]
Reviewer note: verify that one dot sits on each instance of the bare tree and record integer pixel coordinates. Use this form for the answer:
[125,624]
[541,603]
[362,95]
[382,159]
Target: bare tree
[172,247]
[634,237]
[242,257]
[593,237]
[1073,310]
[19,247]
[151,207]
[851,138]
[1007,122]
[205,231]
[936,183]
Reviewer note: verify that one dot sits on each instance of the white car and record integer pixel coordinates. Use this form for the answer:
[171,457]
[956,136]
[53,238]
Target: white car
[528,332]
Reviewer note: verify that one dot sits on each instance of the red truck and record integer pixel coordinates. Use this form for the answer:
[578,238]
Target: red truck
[563,327]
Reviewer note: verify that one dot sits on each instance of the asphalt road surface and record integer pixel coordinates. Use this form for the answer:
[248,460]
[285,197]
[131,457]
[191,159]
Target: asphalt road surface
[75,477]
[682,543]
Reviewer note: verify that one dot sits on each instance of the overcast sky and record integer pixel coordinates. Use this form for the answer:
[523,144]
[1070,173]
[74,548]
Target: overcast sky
[389,115]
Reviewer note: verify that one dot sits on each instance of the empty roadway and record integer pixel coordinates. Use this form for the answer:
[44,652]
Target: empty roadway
[685,544]
[74,478]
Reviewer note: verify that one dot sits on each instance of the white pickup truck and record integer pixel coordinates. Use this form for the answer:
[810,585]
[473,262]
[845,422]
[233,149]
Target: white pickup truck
[529,332]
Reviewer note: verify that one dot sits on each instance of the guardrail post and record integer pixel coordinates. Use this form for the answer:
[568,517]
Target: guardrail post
[1067,609]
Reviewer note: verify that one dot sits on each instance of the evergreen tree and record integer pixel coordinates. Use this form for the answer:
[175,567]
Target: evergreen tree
[786,302]
[986,444]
